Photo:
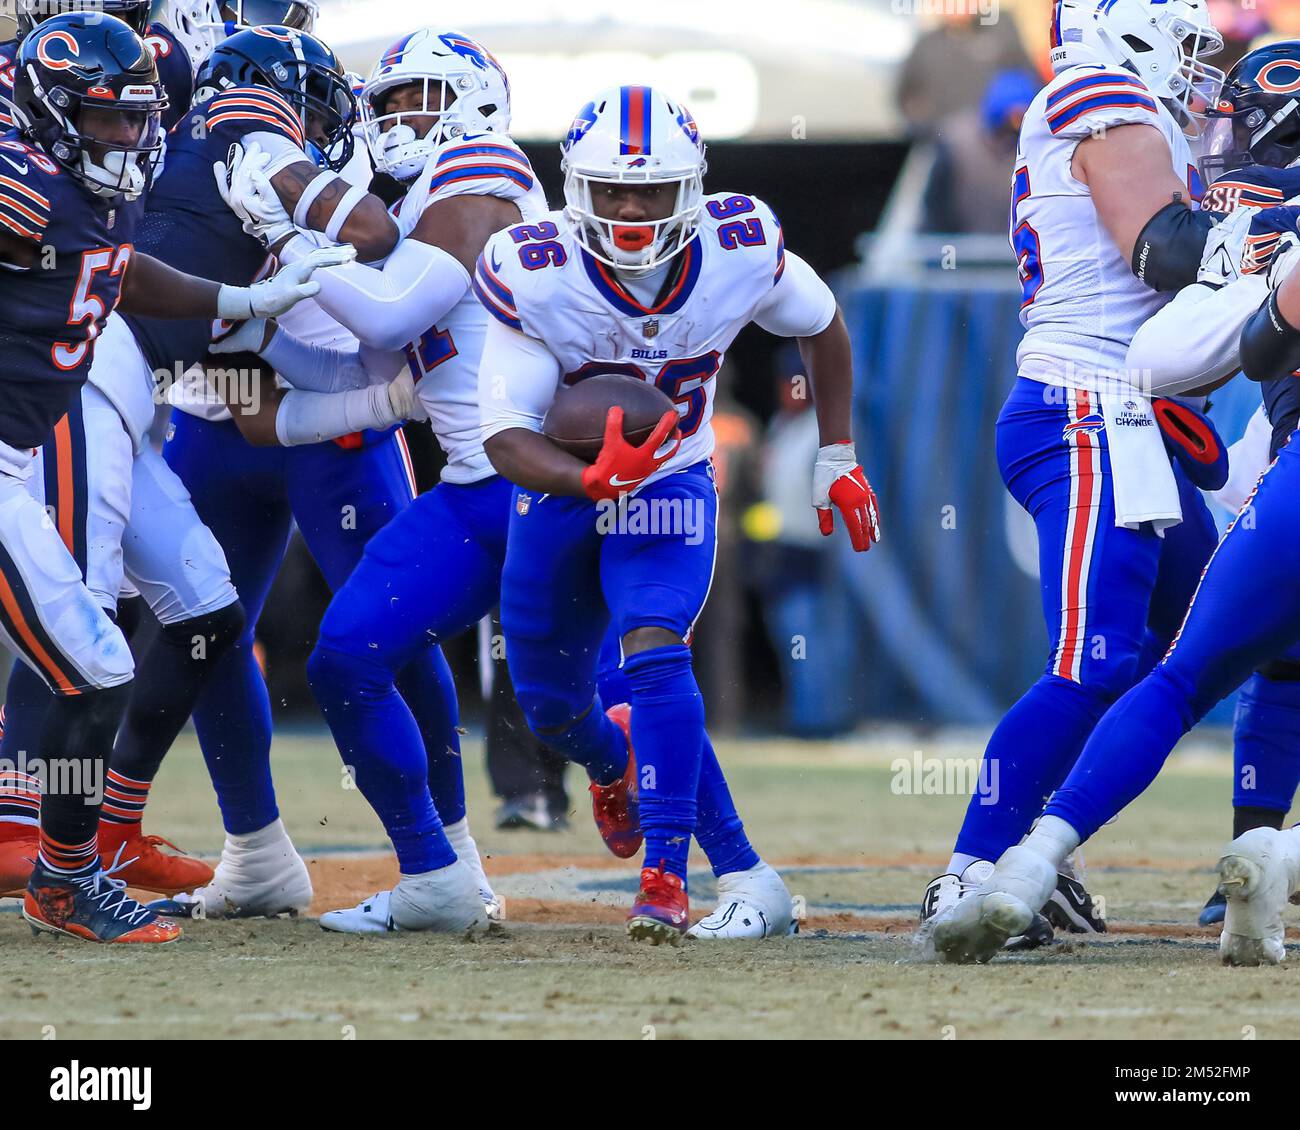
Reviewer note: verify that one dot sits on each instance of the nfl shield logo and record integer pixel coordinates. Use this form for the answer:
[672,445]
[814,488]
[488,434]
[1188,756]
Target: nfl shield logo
[650,327]
[523,504]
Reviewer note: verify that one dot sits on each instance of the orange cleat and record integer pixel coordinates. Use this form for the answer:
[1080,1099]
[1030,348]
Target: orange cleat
[145,867]
[615,807]
[661,909]
[95,908]
[19,844]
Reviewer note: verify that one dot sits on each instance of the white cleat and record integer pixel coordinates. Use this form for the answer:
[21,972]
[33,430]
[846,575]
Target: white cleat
[976,926]
[446,901]
[751,904]
[260,875]
[467,850]
[1257,875]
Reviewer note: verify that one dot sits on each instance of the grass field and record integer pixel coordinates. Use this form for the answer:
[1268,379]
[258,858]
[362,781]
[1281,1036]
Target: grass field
[853,851]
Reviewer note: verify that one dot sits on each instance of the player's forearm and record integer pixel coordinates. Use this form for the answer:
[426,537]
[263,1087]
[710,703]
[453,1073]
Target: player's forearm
[533,462]
[828,358]
[366,223]
[155,290]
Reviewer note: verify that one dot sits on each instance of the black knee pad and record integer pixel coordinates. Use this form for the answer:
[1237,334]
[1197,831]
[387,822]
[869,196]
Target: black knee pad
[217,630]
[1281,670]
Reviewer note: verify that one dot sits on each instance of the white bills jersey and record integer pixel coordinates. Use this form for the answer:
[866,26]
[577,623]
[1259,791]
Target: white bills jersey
[1082,304]
[580,317]
[444,362]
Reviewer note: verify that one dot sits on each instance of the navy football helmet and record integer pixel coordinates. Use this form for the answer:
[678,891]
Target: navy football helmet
[30,13]
[299,67]
[86,92]
[1257,120]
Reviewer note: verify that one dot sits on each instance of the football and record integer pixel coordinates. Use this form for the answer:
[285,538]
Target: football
[576,421]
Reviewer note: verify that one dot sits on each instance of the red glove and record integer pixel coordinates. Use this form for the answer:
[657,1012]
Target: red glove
[838,480]
[620,467]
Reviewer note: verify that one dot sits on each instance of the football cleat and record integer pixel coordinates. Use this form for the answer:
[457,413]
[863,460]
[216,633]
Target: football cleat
[1258,874]
[1216,906]
[444,901]
[1038,934]
[661,909]
[467,851]
[1071,908]
[260,875]
[614,806]
[1002,907]
[95,908]
[19,845]
[751,904]
[147,868]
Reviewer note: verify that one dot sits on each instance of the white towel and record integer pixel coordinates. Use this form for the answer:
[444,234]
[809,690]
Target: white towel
[1141,476]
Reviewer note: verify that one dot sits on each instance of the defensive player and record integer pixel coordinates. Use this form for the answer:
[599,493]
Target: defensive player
[139,515]
[640,274]
[88,103]
[1102,223]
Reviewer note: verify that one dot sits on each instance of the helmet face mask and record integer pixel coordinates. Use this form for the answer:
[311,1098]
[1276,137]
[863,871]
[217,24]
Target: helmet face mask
[628,136]
[1257,121]
[86,92]
[461,89]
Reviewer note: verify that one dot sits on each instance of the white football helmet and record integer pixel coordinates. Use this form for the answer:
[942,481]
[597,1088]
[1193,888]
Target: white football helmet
[633,135]
[1163,42]
[465,90]
[199,25]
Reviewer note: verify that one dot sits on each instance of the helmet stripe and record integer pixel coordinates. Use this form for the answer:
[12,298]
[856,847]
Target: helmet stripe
[634,119]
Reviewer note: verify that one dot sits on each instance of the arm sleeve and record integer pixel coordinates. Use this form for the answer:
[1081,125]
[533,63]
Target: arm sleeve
[317,368]
[799,303]
[281,150]
[517,380]
[313,417]
[386,307]
[1270,345]
[1196,339]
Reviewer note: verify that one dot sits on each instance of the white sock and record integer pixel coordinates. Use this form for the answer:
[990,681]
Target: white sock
[273,833]
[1053,839]
[960,861]
[459,837]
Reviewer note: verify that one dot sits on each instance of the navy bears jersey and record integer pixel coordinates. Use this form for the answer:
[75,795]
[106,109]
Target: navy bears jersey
[51,314]
[188,226]
[174,72]
[8,53]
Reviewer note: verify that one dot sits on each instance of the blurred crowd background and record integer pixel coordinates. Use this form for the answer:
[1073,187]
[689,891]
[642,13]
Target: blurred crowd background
[883,133]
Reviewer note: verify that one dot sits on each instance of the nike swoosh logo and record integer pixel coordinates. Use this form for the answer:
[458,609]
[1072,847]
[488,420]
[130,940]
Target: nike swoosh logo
[21,168]
[615,481]
[493,260]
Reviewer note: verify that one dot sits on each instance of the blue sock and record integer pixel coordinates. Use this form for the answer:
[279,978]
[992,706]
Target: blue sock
[377,736]
[718,829]
[668,735]
[427,686]
[1125,753]
[1028,755]
[1266,752]
[232,716]
[593,741]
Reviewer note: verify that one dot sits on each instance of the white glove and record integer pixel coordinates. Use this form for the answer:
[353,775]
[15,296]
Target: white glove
[246,337]
[1284,261]
[404,399]
[244,186]
[283,291]
[1221,262]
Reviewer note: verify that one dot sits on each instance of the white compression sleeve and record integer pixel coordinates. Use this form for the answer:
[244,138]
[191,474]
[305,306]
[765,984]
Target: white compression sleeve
[390,306]
[311,417]
[799,304]
[314,368]
[517,380]
[1196,339]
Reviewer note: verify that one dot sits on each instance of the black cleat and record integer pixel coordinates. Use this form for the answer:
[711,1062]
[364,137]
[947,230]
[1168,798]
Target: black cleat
[1071,908]
[1039,934]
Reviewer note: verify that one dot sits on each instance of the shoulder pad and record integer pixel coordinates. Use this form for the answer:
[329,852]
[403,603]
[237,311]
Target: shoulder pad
[1083,100]
[248,109]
